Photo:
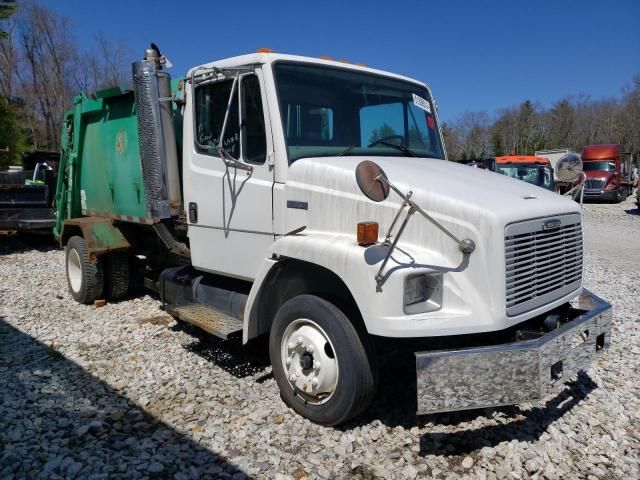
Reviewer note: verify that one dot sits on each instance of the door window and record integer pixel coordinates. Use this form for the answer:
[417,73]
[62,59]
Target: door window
[211,106]
[254,139]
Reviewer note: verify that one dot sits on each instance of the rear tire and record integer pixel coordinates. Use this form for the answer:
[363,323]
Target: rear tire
[322,364]
[85,278]
[117,276]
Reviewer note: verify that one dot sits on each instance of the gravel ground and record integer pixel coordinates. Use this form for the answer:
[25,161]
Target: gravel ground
[122,391]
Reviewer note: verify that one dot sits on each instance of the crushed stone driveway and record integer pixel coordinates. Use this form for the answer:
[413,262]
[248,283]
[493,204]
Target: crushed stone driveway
[123,391]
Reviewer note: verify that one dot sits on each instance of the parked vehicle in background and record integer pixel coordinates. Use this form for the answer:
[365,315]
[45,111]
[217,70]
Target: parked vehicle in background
[608,172]
[531,169]
[554,155]
[310,201]
[475,162]
[27,194]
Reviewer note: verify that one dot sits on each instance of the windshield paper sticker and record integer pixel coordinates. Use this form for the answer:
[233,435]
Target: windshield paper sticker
[421,103]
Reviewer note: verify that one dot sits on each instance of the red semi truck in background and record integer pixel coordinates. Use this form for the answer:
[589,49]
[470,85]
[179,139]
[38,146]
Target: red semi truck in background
[608,172]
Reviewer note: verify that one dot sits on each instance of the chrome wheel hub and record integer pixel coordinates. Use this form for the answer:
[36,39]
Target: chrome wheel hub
[309,361]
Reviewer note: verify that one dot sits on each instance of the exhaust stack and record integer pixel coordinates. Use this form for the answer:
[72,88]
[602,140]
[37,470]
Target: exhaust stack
[156,135]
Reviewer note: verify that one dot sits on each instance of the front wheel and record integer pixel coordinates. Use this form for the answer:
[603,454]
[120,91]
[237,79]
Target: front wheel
[322,364]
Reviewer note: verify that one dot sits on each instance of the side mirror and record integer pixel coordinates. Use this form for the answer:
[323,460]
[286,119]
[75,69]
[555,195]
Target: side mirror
[368,176]
[569,168]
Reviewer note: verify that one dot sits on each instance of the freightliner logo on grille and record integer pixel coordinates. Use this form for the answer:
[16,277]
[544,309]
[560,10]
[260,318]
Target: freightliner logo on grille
[552,224]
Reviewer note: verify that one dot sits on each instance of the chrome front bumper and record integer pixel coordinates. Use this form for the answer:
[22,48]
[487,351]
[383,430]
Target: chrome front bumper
[512,373]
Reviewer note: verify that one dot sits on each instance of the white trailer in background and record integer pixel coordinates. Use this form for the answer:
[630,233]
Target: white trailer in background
[554,155]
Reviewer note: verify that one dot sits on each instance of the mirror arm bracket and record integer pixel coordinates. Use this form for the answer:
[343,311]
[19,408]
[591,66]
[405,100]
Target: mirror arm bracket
[387,238]
[579,186]
[229,161]
[380,276]
[466,246]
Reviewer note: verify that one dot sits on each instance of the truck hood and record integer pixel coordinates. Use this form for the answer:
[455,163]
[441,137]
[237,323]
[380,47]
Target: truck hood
[458,195]
[324,204]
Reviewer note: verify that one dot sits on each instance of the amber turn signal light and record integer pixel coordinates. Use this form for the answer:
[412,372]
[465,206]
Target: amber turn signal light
[367,233]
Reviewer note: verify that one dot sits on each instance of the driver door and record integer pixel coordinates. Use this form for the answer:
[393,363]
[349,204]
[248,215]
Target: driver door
[232,227]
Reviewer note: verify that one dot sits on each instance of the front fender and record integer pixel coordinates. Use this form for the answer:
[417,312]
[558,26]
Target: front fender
[381,306]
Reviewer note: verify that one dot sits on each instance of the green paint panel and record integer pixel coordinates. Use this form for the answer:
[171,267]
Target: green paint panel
[110,170]
[100,171]
[104,236]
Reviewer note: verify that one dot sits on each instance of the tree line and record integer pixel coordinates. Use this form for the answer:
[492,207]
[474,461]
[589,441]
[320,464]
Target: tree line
[42,67]
[571,122]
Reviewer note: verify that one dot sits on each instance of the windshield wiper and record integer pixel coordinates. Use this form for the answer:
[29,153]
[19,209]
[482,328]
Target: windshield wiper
[408,152]
[347,150]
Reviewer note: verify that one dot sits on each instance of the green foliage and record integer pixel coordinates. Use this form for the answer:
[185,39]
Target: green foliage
[497,145]
[416,139]
[379,133]
[7,8]
[12,137]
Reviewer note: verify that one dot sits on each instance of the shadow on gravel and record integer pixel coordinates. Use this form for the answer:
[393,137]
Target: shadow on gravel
[59,421]
[395,405]
[23,242]
[239,360]
[521,425]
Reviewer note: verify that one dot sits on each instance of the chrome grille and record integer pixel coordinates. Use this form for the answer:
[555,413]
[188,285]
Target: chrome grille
[594,183]
[542,265]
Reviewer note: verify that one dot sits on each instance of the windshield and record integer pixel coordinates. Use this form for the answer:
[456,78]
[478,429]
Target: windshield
[331,112]
[604,166]
[535,174]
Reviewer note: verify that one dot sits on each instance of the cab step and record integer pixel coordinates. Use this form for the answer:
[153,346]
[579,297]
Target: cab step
[207,318]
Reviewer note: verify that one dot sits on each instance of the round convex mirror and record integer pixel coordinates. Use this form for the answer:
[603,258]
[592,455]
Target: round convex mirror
[368,176]
[569,167]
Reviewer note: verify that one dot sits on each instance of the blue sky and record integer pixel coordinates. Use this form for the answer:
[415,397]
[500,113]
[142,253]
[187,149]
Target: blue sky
[476,55]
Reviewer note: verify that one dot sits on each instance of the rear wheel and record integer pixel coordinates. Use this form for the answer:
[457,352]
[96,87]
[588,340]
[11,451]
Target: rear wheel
[322,364]
[85,277]
[116,276]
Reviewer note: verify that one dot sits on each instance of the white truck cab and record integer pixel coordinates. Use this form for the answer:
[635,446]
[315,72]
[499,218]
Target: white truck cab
[286,237]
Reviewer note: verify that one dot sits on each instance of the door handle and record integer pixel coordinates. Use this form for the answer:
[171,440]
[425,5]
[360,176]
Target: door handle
[193,212]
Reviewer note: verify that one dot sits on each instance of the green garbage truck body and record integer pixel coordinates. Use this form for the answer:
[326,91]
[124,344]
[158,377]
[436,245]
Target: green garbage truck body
[102,172]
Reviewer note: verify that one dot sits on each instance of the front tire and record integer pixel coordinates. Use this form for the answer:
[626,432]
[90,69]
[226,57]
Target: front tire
[85,278]
[322,364]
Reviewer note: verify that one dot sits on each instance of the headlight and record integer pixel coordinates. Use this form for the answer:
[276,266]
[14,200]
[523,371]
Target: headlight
[422,292]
